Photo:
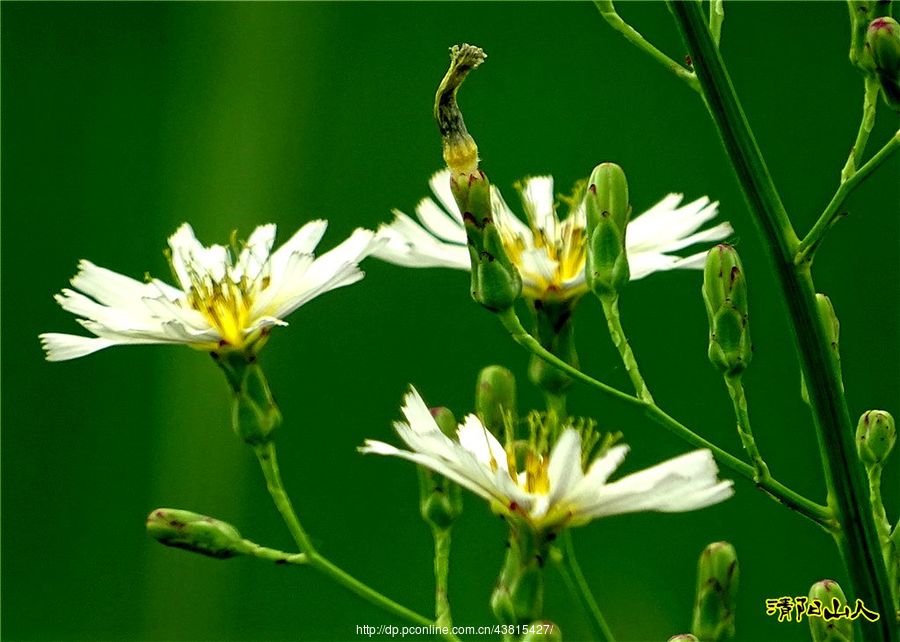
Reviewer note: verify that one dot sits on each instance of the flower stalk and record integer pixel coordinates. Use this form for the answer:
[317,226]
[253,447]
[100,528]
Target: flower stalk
[857,537]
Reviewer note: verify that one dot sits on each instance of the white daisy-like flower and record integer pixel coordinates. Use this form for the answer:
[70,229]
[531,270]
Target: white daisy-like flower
[226,300]
[555,487]
[548,252]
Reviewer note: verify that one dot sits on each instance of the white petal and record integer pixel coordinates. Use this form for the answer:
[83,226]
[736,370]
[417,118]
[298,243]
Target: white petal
[61,347]
[255,255]
[406,243]
[538,201]
[564,470]
[304,241]
[439,222]
[440,185]
[588,490]
[483,445]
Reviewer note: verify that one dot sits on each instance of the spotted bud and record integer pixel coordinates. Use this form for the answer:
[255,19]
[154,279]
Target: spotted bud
[495,397]
[607,208]
[883,45]
[829,595]
[862,13]
[876,435]
[725,295]
[440,500]
[717,585]
[195,533]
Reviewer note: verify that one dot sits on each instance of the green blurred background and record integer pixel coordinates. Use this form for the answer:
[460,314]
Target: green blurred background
[120,121]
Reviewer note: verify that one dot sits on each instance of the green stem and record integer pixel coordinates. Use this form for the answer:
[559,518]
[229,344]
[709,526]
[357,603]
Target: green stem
[833,211]
[578,586]
[441,575]
[858,540]
[608,11]
[617,334]
[556,403]
[742,414]
[266,455]
[816,512]
[271,555]
[867,122]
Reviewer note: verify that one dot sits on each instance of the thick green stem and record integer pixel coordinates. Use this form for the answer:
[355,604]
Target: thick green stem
[608,11]
[578,586]
[441,575]
[271,555]
[858,539]
[816,512]
[833,211]
[266,455]
[742,414]
[617,334]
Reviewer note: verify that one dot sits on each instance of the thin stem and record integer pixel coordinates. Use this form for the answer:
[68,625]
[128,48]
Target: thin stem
[857,538]
[268,462]
[608,11]
[441,574]
[816,512]
[617,334]
[271,555]
[867,122]
[742,414]
[578,586]
[556,403]
[833,212]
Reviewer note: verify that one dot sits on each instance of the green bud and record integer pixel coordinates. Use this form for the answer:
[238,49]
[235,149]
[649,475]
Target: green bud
[607,209]
[717,584]
[883,46]
[838,630]
[496,282]
[555,330]
[833,334]
[440,500]
[684,637]
[195,533]
[495,396]
[542,631]
[862,12]
[725,295]
[875,437]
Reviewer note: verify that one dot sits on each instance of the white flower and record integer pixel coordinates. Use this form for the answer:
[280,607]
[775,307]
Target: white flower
[226,300]
[554,490]
[548,252]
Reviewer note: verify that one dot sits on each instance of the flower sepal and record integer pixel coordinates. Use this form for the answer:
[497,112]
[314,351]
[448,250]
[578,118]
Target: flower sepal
[725,295]
[717,585]
[518,597]
[554,328]
[254,413]
[440,500]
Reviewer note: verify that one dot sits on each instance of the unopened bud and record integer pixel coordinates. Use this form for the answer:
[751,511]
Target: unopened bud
[725,295]
[862,13]
[440,500]
[195,533]
[829,595]
[495,397]
[607,209]
[883,45]
[832,333]
[876,435]
[717,585]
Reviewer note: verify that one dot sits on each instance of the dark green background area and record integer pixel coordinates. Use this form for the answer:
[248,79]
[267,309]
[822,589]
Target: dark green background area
[120,121]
